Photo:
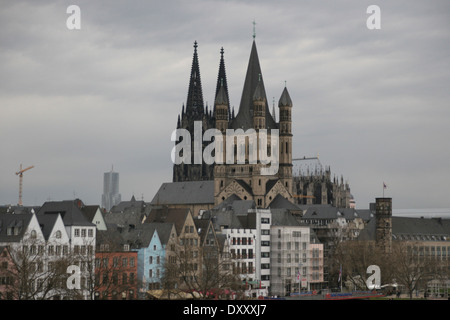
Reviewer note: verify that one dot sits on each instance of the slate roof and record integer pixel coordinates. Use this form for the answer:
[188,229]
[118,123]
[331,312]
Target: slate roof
[69,210]
[244,118]
[129,216]
[285,99]
[8,220]
[187,192]
[281,202]
[18,209]
[89,211]
[415,229]
[176,216]
[47,222]
[327,211]
[282,217]
[124,205]
[111,237]
[202,226]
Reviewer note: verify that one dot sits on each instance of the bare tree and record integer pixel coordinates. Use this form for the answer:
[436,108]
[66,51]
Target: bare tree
[412,268]
[41,271]
[199,271]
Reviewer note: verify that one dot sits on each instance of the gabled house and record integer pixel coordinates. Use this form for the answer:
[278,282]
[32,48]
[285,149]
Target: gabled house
[95,215]
[115,267]
[81,233]
[186,253]
[150,241]
[28,246]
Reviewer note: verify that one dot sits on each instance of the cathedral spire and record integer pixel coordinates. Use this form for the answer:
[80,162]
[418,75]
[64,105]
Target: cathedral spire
[222,81]
[194,104]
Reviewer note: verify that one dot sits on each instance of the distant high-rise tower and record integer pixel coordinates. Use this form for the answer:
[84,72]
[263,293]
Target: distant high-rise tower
[111,195]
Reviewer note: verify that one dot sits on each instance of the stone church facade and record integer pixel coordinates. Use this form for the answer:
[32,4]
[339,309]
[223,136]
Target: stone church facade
[244,177]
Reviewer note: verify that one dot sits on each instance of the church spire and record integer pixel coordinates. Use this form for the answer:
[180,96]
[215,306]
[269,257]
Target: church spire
[194,104]
[222,81]
[253,78]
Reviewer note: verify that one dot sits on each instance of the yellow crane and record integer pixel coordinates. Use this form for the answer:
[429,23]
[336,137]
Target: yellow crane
[20,174]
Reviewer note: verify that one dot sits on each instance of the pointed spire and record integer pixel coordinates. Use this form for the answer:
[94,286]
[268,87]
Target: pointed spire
[221,96]
[222,81]
[260,93]
[285,99]
[244,118]
[273,111]
[194,102]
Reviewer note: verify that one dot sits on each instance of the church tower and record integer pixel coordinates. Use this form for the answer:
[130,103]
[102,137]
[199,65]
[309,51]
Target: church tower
[285,124]
[194,112]
[245,179]
[245,175]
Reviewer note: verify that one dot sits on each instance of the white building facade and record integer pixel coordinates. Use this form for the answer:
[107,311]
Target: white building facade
[296,262]
[249,250]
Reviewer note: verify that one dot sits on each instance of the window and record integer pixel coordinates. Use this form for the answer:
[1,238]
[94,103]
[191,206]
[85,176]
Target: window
[90,233]
[83,233]
[77,232]
[58,234]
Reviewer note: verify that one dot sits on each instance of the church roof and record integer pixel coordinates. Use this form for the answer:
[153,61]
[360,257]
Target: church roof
[244,118]
[222,84]
[221,97]
[285,99]
[186,192]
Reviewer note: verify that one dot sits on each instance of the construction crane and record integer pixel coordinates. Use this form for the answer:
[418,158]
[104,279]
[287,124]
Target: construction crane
[20,174]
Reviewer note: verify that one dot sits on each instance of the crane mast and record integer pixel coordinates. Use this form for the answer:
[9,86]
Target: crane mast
[20,174]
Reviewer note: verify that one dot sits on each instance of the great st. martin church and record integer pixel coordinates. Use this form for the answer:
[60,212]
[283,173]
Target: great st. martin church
[244,180]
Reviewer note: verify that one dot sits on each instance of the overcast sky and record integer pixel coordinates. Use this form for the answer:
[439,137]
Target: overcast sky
[374,104]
